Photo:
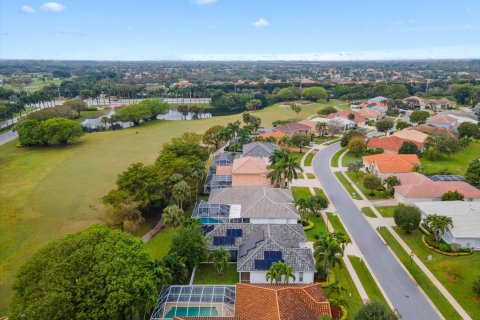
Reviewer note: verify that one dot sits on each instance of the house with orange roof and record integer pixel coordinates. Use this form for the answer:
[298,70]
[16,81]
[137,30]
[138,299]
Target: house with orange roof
[292,128]
[391,144]
[250,172]
[384,165]
[310,123]
[369,114]
[277,135]
[435,131]
[442,121]
[429,190]
[411,135]
[359,120]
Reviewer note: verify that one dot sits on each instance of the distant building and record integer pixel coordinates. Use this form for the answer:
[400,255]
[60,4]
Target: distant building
[259,149]
[442,121]
[435,131]
[292,128]
[391,144]
[377,99]
[411,135]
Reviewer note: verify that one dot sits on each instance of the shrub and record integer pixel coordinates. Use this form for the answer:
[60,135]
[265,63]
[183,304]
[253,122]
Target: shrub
[408,218]
[443,248]
[452,196]
[432,154]
[375,311]
[476,287]
[327,110]
[308,226]
[374,151]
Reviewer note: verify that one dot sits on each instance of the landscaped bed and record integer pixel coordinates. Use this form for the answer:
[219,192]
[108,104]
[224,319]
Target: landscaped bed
[369,284]
[319,226]
[455,273]
[207,274]
[433,293]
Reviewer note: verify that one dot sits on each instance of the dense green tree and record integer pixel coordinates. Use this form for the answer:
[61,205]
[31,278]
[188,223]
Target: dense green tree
[408,147]
[97,273]
[316,203]
[75,104]
[384,125]
[347,136]
[374,311]
[439,225]
[407,217]
[327,110]
[123,215]
[357,145]
[31,133]
[155,107]
[220,259]
[177,267]
[314,93]
[468,129]
[253,105]
[400,125]
[444,145]
[135,113]
[472,175]
[300,141]
[172,216]
[189,242]
[419,116]
[372,182]
[62,131]
[391,182]
[287,94]
[452,195]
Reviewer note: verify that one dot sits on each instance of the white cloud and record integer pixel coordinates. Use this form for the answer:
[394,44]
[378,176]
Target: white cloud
[204,2]
[261,23]
[52,6]
[27,9]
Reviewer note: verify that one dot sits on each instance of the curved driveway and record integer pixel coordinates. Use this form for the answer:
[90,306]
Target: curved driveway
[400,289]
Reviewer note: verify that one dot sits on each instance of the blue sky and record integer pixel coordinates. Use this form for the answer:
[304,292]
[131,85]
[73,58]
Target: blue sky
[239,29]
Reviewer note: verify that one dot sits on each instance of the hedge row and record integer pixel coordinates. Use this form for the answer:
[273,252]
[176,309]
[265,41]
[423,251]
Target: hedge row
[451,254]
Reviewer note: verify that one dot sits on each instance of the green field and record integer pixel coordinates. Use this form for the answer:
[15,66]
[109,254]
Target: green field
[369,284]
[319,226]
[467,267]
[207,274]
[48,192]
[432,292]
[350,157]
[456,163]
[344,278]
[36,84]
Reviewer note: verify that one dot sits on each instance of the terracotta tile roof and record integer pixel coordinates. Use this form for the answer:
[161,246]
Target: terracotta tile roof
[368,113]
[224,170]
[249,165]
[441,119]
[392,143]
[292,127]
[435,131]
[412,135]
[310,123]
[409,178]
[397,163]
[207,318]
[345,113]
[275,134]
[285,302]
[435,189]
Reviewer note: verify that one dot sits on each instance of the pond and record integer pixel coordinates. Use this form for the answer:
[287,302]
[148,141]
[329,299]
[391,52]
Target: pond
[175,115]
[96,123]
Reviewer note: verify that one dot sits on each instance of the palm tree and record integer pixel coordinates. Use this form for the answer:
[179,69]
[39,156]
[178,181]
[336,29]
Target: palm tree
[220,259]
[273,274]
[277,156]
[284,141]
[276,175]
[181,191]
[302,206]
[327,250]
[244,136]
[233,129]
[321,127]
[336,288]
[172,216]
[291,166]
[342,239]
[288,273]
[439,225]
[104,120]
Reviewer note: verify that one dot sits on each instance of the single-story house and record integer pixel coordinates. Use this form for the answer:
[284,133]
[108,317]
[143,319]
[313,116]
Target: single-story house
[415,102]
[292,128]
[442,121]
[412,135]
[461,119]
[310,123]
[243,301]
[277,135]
[377,99]
[260,205]
[442,103]
[435,131]
[429,190]
[390,144]
[409,178]
[254,247]
[260,149]
[250,172]
[340,124]
[385,164]
[465,217]
[345,114]
[369,114]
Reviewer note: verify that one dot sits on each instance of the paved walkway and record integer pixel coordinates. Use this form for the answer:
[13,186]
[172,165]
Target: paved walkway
[396,283]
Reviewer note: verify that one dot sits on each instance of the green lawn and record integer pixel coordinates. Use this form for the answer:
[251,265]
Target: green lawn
[355,301]
[456,163]
[310,175]
[300,192]
[308,159]
[433,293]
[300,175]
[319,226]
[350,157]
[357,178]
[369,284]
[386,211]
[319,192]
[347,185]
[334,160]
[160,244]
[336,223]
[320,140]
[368,212]
[468,268]
[207,274]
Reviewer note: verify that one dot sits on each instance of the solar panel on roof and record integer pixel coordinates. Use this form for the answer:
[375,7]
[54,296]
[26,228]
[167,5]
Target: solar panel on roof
[447,177]
[234,232]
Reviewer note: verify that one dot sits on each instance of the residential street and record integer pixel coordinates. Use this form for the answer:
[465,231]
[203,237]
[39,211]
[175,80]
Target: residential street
[401,290]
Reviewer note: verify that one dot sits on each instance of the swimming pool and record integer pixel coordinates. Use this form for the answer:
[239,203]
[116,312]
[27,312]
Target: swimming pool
[192,312]
[208,220]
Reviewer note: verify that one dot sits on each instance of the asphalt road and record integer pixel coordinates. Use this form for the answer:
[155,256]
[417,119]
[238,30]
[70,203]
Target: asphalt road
[8,136]
[406,297]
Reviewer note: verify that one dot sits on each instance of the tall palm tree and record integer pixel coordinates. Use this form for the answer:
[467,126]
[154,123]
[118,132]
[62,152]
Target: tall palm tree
[439,225]
[321,127]
[244,136]
[336,288]
[233,129]
[342,239]
[276,174]
[288,273]
[277,156]
[284,141]
[273,275]
[291,166]
[328,251]
[302,206]
[220,259]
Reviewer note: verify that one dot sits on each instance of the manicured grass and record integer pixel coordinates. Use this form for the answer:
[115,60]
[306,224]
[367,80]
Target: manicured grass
[369,284]
[310,175]
[320,140]
[357,177]
[386,211]
[300,192]
[308,159]
[468,268]
[334,160]
[49,192]
[433,293]
[319,192]
[456,163]
[344,278]
[347,185]
[300,175]
[319,226]
[207,274]
[336,223]
[350,157]
[368,212]
[160,244]
[332,141]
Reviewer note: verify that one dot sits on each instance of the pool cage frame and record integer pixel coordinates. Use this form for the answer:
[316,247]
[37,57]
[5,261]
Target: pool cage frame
[195,296]
[204,209]
[216,181]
